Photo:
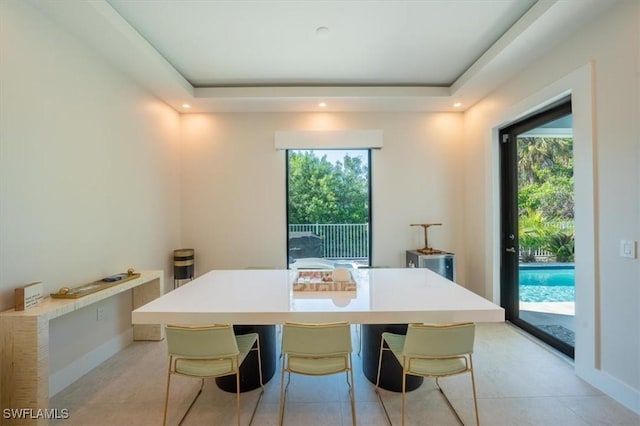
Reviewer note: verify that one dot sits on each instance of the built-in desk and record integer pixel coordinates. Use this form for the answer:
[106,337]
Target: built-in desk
[25,342]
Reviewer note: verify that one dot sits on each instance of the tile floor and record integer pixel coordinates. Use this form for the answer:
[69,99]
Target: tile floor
[519,382]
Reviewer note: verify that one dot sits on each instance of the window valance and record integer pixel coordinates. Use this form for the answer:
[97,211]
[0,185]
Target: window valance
[328,139]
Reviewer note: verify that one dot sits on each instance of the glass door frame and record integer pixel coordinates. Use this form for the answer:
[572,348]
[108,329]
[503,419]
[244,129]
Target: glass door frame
[509,245]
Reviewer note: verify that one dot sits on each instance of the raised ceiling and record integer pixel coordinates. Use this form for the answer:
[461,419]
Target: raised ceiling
[329,43]
[292,55]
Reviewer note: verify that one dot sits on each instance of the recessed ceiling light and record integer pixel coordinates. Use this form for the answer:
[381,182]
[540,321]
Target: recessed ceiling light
[457,105]
[322,32]
[322,105]
[187,106]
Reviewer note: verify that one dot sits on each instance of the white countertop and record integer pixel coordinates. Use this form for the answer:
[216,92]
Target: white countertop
[51,308]
[267,297]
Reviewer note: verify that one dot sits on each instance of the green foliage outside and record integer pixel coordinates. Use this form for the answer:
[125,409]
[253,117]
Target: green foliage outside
[532,234]
[324,192]
[545,196]
[562,245]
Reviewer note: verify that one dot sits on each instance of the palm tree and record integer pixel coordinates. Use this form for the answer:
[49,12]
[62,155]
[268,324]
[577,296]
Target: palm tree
[539,153]
[532,233]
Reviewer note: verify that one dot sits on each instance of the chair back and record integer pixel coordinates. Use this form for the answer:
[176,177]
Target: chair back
[425,340]
[212,341]
[316,339]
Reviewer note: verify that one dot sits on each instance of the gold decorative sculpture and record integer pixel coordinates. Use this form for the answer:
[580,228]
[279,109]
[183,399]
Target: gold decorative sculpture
[426,249]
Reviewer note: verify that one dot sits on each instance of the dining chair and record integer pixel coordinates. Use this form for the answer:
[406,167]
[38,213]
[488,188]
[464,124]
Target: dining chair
[207,352]
[316,350]
[431,351]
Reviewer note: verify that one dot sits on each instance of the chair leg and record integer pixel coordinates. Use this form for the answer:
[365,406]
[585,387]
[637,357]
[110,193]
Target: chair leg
[404,392]
[282,393]
[378,382]
[261,382]
[352,392]
[259,362]
[166,398]
[238,392]
[446,398]
[192,402]
[473,387]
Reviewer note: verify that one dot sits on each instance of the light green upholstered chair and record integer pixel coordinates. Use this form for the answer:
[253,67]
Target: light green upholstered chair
[432,351]
[206,352]
[316,350]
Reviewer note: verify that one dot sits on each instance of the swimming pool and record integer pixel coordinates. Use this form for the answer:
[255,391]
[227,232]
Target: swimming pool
[547,283]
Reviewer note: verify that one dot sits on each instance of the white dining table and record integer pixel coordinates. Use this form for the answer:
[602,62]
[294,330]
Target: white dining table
[263,296]
[255,299]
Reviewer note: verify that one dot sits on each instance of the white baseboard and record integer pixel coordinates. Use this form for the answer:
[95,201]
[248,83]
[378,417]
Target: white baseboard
[81,366]
[616,389]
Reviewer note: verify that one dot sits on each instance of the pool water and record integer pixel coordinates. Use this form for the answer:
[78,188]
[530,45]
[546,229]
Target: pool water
[547,283]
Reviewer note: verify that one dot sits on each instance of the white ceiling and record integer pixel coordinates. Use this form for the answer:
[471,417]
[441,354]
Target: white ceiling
[368,56]
[365,43]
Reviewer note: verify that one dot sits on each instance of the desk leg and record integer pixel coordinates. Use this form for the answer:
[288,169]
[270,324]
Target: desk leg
[249,374]
[141,295]
[391,372]
[25,367]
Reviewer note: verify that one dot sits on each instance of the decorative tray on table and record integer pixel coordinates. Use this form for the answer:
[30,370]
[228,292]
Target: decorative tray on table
[324,281]
[89,288]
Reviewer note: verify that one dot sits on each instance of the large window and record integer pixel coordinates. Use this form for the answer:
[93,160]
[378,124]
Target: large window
[328,205]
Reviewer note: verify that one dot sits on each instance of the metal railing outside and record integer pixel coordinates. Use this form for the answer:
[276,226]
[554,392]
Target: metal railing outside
[340,240]
[351,240]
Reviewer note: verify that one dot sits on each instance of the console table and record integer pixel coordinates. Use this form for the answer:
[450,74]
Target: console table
[24,348]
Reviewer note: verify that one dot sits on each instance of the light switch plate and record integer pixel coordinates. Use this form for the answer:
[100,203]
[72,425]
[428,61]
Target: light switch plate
[628,249]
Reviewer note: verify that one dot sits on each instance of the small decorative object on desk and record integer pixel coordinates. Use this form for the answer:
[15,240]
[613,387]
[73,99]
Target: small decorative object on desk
[426,249]
[334,280]
[104,283]
[28,296]
[113,278]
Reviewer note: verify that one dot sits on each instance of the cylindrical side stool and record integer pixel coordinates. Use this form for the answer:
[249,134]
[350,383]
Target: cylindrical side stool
[183,265]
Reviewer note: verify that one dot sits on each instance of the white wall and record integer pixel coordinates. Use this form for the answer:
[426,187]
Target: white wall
[89,174]
[600,66]
[233,188]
